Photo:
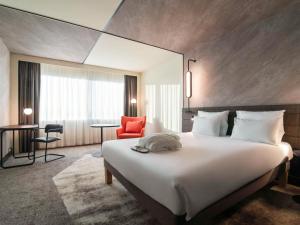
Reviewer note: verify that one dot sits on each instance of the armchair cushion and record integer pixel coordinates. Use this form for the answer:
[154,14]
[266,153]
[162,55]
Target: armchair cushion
[129,135]
[134,126]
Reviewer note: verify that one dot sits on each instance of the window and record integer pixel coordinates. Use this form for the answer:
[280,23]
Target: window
[75,94]
[162,103]
[76,98]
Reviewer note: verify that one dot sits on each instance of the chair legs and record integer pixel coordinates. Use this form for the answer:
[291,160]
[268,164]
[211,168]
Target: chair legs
[46,154]
[46,151]
[52,154]
[59,157]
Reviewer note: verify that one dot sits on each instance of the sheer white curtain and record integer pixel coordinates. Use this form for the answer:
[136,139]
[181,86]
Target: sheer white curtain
[77,98]
[163,105]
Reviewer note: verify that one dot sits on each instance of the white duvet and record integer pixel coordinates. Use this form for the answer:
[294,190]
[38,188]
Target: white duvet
[202,172]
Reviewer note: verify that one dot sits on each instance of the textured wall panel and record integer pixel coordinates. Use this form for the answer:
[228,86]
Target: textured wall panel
[248,52]
[29,34]
[181,25]
[256,64]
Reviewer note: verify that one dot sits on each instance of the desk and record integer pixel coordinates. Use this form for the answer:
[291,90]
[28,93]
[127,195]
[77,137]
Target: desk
[28,128]
[101,126]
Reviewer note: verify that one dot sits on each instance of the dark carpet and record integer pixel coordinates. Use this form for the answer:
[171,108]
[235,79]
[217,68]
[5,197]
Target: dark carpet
[72,191]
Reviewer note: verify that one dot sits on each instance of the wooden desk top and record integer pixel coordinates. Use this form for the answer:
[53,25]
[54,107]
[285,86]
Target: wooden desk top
[19,127]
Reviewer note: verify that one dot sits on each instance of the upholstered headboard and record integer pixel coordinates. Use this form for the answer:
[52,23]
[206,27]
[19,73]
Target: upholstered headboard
[291,119]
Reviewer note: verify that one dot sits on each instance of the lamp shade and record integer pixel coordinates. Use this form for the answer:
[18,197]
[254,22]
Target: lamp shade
[27,111]
[188,84]
[133,101]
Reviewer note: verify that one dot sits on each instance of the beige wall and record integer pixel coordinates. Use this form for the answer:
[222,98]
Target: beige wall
[162,93]
[4,90]
[14,78]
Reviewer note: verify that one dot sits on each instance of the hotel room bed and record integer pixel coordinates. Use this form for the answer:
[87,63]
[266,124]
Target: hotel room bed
[208,175]
[204,171]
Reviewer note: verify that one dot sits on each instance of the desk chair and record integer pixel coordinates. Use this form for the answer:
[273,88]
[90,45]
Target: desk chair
[49,128]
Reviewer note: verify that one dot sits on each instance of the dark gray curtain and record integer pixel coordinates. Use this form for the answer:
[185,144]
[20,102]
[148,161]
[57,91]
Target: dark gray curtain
[29,97]
[130,93]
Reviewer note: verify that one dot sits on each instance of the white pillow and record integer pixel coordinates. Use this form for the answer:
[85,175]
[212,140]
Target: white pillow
[265,131]
[264,115]
[223,117]
[259,115]
[206,125]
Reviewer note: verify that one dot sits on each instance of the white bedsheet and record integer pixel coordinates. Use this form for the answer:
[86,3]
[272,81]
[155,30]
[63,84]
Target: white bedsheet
[202,172]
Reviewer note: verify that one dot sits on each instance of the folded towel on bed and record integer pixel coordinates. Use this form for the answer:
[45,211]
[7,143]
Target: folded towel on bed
[160,142]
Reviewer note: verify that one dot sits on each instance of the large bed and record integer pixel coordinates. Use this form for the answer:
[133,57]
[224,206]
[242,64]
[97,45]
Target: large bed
[206,176]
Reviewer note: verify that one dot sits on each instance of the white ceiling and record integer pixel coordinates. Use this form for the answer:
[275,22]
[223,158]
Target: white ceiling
[90,13]
[119,53]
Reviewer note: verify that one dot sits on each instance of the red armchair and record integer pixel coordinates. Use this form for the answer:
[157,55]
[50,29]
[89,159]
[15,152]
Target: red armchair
[123,133]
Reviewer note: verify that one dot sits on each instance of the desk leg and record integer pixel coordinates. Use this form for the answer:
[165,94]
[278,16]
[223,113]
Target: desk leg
[1,143]
[13,145]
[17,157]
[30,146]
[101,135]
[34,145]
[28,141]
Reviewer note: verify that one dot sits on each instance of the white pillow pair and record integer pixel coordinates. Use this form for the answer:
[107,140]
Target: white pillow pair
[211,123]
[265,127]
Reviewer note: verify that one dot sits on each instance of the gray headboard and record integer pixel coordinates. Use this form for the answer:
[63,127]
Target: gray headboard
[291,119]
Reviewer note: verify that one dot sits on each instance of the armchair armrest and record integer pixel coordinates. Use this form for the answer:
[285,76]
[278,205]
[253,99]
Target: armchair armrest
[120,130]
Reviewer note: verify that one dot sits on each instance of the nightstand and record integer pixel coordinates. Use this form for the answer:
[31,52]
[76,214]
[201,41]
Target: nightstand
[294,173]
[292,187]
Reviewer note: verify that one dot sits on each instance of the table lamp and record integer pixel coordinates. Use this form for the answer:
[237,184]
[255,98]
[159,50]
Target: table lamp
[133,107]
[133,101]
[27,112]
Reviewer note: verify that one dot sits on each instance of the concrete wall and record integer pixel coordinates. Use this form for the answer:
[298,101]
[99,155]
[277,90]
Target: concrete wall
[247,51]
[253,65]
[4,90]
[162,94]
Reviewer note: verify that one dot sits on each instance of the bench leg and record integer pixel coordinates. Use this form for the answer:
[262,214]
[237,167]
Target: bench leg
[108,176]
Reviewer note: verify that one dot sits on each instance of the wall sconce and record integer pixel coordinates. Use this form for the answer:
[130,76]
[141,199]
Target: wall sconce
[188,82]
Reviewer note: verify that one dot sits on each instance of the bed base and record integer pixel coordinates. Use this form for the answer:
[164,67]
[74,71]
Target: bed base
[166,217]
